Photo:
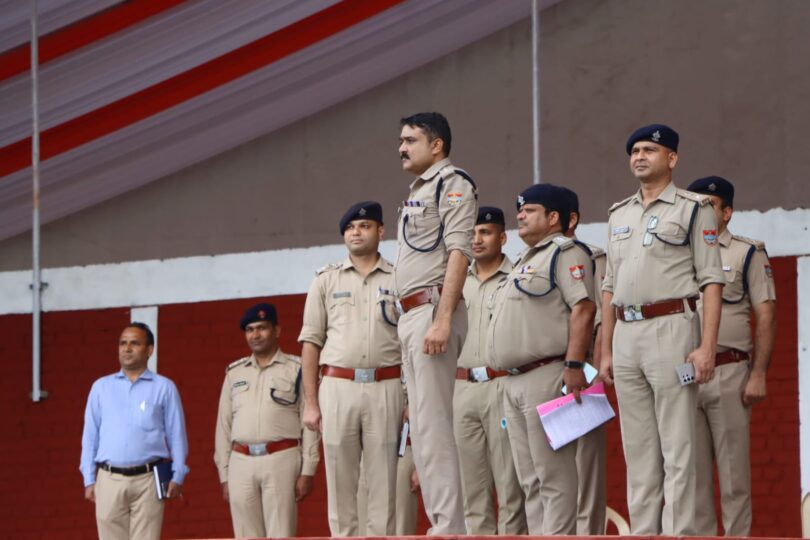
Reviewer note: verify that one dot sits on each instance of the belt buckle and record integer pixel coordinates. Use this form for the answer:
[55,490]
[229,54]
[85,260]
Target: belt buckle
[257,449]
[479,374]
[633,313]
[364,375]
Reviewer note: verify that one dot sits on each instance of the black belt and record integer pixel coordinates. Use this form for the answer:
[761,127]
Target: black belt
[131,471]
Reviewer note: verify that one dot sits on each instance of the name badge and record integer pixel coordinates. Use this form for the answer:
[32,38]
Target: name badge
[726,269]
[343,294]
[621,230]
[237,384]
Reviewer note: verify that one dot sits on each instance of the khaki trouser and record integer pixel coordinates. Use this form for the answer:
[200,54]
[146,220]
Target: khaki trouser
[486,460]
[542,471]
[430,381]
[591,471]
[127,507]
[361,419]
[262,493]
[722,432]
[657,418]
[407,502]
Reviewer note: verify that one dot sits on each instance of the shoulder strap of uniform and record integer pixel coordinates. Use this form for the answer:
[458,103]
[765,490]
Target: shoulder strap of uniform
[587,249]
[620,204]
[702,200]
[758,245]
[746,266]
[563,242]
[465,175]
[237,363]
[326,268]
[462,173]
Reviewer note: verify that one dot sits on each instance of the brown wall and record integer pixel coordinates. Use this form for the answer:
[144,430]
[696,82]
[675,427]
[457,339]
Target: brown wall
[733,77]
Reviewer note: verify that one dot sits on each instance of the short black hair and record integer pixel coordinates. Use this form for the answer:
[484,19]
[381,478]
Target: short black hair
[150,337]
[434,125]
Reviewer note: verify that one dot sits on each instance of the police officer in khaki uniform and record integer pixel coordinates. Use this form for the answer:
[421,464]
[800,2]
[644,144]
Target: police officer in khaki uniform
[434,250]
[478,416]
[349,336]
[662,252]
[265,458]
[724,404]
[591,448]
[540,332]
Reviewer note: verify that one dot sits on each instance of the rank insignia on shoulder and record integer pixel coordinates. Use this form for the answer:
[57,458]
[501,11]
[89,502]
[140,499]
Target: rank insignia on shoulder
[577,271]
[455,198]
[330,266]
[342,294]
[769,271]
[237,363]
[710,237]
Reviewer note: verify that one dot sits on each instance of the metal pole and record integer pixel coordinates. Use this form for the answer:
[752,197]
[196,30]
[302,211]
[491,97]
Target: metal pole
[536,90]
[36,289]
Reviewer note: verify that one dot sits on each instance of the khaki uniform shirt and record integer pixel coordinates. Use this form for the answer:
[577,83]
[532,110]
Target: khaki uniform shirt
[735,322]
[599,259]
[353,318]
[259,405]
[428,232]
[524,328]
[476,295]
[652,256]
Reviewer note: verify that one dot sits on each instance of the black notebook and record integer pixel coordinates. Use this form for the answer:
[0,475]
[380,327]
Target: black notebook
[163,475]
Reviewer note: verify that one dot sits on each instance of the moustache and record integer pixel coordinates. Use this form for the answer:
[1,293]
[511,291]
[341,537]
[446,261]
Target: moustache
[404,155]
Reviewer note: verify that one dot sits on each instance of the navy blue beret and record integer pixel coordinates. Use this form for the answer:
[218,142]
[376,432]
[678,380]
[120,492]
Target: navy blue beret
[573,199]
[657,133]
[714,185]
[259,312]
[362,210]
[552,197]
[490,214]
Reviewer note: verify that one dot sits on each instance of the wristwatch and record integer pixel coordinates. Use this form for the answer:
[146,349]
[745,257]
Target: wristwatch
[574,364]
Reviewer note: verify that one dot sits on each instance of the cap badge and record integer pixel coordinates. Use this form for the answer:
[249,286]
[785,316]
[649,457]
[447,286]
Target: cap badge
[361,212]
[712,187]
[521,200]
[262,315]
[488,217]
[656,136]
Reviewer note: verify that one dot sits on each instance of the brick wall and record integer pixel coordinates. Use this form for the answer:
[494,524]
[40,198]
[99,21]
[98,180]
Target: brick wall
[41,488]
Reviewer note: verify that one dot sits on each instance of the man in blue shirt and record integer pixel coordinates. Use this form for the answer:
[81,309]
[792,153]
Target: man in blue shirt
[133,421]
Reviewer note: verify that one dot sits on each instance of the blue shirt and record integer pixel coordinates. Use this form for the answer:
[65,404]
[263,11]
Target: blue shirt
[131,423]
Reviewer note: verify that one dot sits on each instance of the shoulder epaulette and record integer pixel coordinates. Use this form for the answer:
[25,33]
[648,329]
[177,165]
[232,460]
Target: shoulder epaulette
[620,204]
[330,266]
[702,200]
[293,358]
[750,241]
[596,252]
[240,362]
[563,242]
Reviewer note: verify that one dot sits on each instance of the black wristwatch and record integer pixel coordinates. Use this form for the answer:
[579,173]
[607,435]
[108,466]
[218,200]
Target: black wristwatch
[574,364]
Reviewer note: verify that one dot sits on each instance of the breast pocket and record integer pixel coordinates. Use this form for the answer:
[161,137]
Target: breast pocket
[341,310]
[421,227]
[671,237]
[533,285]
[239,394]
[282,391]
[149,416]
[733,289]
[619,244]
[386,311]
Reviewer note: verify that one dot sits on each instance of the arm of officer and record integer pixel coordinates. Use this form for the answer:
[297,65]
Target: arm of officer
[310,355]
[763,297]
[606,338]
[710,280]
[703,356]
[222,438]
[311,456]
[312,339]
[175,422]
[439,332]
[575,282]
[90,441]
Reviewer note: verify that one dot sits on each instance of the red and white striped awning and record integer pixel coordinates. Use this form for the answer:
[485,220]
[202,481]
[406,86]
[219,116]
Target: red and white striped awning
[133,91]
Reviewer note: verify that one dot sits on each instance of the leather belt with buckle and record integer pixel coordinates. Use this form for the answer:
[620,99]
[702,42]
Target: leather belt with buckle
[478,374]
[730,356]
[262,449]
[418,298]
[137,470]
[363,375]
[525,368]
[642,312]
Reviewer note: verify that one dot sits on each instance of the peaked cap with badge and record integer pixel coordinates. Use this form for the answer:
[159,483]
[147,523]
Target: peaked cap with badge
[362,210]
[552,197]
[657,133]
[490,214]
[714,185]
[259,312]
